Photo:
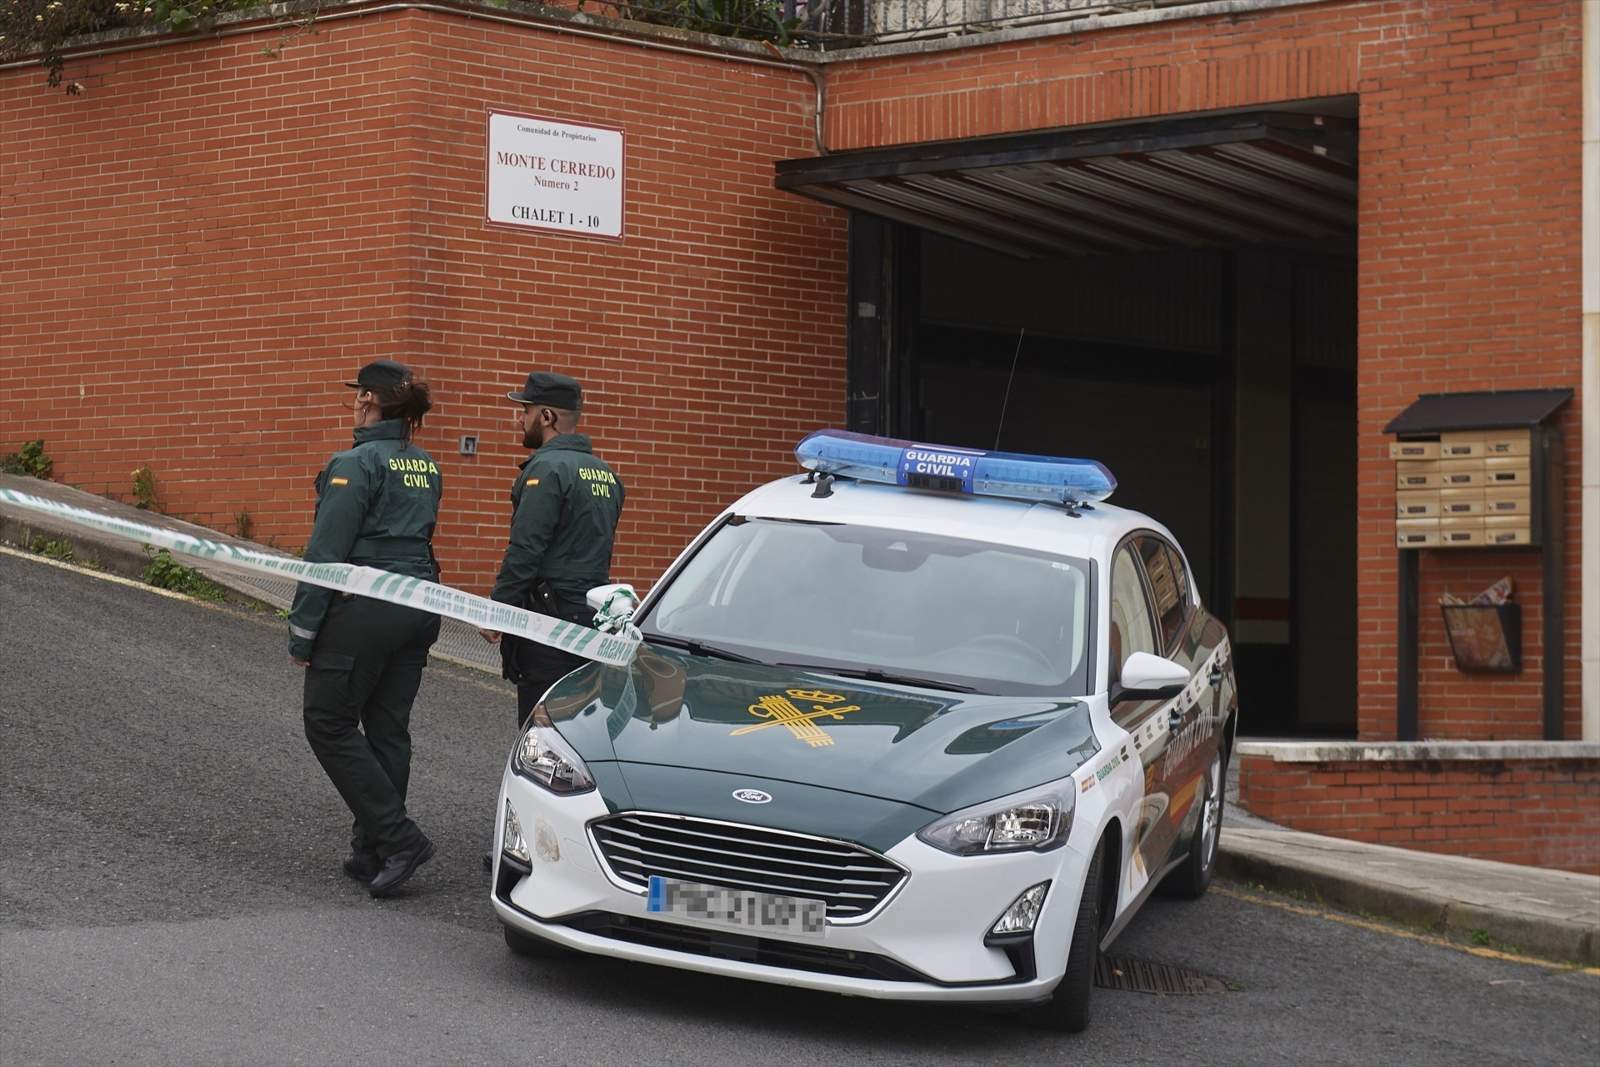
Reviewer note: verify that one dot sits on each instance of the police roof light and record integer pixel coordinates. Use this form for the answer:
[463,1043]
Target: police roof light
[954,470]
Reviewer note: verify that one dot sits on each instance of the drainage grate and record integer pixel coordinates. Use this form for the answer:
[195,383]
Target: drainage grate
[1143,976]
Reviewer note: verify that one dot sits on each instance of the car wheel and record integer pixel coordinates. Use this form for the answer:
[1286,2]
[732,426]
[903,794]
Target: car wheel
[1068,1007]
[532,947]
[1192,878]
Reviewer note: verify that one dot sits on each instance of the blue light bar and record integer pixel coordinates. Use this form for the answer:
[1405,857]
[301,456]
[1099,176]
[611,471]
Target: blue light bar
[954,470]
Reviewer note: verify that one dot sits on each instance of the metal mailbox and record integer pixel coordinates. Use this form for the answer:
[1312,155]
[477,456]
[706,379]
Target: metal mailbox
[1480,472]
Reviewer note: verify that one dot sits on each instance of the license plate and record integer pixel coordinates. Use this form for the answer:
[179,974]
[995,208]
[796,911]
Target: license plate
[737,909]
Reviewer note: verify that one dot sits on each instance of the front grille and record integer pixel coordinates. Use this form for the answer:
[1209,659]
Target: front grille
[758,950]
[850,879]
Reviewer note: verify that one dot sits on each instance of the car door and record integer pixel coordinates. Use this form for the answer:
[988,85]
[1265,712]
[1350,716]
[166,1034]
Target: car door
[1132,628]
[1185,751]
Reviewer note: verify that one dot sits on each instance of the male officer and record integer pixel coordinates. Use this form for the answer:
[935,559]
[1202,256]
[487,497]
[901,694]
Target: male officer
[564,510]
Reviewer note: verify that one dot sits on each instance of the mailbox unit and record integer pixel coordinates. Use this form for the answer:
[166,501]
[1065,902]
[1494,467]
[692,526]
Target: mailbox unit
[1464,489]
[1479,471]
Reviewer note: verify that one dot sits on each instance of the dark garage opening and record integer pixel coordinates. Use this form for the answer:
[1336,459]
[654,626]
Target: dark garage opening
[1177,300]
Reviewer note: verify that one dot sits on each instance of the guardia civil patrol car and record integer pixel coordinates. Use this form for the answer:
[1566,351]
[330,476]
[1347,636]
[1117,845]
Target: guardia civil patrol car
[924,723]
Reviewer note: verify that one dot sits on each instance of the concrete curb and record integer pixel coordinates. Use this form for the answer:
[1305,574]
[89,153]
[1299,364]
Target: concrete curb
[115,557]
[1256,857]
[106,553]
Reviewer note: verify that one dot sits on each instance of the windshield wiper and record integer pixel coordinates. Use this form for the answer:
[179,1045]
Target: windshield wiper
[872,674]
[699,648]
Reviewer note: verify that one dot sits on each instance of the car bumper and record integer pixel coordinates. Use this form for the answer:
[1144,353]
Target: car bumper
[929,935]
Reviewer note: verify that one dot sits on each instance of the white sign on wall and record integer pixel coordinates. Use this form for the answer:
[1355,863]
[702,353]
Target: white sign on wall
[551,175]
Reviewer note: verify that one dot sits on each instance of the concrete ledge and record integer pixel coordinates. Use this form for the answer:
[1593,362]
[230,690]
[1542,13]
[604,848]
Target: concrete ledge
[115,555]
[1396,751]
[1552,914]
[122,558]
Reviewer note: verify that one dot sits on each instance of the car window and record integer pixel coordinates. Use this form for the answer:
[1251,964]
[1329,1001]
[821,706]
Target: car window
[1180,576]
[996,618]
[1169,586]
[1131,629]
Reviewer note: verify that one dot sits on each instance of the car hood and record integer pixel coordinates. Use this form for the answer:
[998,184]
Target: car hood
[937,750]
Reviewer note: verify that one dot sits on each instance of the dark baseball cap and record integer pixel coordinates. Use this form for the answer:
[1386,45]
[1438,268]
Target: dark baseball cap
[551,390]
[381,374]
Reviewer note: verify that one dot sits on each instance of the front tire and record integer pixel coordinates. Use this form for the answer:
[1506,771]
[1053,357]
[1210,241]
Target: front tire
[531,947]
[1191,880]
[1068,1007]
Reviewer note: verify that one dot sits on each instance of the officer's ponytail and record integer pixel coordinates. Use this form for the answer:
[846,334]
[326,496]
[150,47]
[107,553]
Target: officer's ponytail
[409,400]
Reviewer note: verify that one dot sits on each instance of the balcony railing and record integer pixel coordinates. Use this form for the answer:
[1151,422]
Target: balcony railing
[831,24]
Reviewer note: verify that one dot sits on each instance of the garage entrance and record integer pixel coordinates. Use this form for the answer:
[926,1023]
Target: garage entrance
[1175,299]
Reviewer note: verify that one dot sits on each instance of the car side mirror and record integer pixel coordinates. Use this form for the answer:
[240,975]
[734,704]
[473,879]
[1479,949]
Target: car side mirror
[614,606]
[1150,677]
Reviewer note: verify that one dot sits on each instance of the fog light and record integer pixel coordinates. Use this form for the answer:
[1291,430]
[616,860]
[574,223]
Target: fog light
[511,842]
[1023,913]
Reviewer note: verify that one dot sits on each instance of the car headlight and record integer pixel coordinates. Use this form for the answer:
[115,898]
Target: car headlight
[545,757]
[1037,819]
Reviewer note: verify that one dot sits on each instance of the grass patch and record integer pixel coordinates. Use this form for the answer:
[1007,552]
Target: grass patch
[165,572]
[60,551]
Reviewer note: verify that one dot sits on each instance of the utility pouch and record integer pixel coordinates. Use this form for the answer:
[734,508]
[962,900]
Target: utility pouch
[545,599]
[510,668]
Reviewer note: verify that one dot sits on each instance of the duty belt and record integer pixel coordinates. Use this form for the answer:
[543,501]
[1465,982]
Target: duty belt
[392,548]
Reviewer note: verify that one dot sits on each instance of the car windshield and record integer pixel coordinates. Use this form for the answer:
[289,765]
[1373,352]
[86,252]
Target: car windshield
[968,614]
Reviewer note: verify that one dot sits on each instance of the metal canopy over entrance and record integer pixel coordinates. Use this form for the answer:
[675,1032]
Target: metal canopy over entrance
[1243,179]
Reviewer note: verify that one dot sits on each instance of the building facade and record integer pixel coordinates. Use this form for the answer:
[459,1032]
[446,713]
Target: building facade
[1218,245]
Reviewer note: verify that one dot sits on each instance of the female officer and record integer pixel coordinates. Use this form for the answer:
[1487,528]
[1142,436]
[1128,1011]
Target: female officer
[377,504]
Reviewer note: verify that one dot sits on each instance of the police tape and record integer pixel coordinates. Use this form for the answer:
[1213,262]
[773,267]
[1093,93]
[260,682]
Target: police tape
[615,649]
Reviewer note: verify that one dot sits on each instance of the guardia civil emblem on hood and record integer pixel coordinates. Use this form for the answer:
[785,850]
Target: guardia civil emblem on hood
[781,710]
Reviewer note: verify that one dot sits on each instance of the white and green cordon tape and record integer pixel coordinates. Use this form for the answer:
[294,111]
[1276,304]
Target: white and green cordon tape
[616,649]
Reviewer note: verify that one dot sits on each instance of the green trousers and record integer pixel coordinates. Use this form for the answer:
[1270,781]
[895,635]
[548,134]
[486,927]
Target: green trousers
[365,669]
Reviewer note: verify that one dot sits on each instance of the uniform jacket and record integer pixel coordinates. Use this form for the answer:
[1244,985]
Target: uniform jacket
[564,510]
[377,504]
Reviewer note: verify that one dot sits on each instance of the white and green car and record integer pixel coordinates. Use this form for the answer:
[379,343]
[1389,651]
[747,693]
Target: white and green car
[922,724]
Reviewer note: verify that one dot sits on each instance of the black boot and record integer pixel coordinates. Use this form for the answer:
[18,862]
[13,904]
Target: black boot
[399,867]
[362,865]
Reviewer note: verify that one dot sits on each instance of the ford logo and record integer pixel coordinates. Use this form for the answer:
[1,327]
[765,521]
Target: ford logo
[752,796]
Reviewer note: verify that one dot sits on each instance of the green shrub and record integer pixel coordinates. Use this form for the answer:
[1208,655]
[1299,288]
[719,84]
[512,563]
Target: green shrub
[144,488]
[29,460]
[758,19]
[165,572]
[44,27]
[57,550]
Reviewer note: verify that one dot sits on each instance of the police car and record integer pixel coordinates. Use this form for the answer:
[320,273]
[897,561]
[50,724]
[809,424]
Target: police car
[922,724]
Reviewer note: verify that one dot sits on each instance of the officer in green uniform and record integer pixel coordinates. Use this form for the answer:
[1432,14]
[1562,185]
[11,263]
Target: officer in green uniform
[564,510]
[377,504]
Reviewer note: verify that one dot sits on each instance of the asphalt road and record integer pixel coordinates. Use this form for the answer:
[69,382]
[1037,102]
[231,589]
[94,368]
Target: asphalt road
[170,894]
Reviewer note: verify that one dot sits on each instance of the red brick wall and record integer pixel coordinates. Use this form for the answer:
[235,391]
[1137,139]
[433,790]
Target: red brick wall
[1470,267]
[1468,245]
[711,338]
[206,232]
[1544,812]
[195,250]
[199,247]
